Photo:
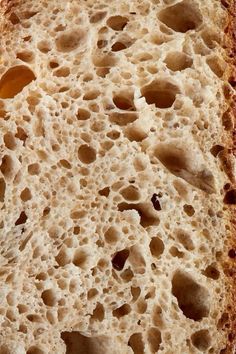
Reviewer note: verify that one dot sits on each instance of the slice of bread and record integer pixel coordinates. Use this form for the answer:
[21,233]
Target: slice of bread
[117,178]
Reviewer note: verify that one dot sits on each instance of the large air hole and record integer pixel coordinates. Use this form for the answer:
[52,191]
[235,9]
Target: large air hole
[230,197]
[130,193]
[111,235]
[124,101]
[121,311]
[71,40]
[185,239]
[2,189]
[137,260]
[177,61]
[76,343]
[21,219]
[119,259]
[117,23]
[212,272]
[180,162]
[83,114]
[193,299]
[135,132]
[154,339]
[14,80]
[35,350]
[26,56]
[81,258]
[156,247]
[49,297]
[201,340]
[9,141]
[216,65]
[136,343]
[86,154]
[147,216]
[181,17]
[161,93]
[122,119]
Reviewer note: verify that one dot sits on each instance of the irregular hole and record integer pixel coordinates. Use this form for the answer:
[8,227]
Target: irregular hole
[135,291]
[134,132]
[14,18]
[130,193]
[92,95]
[154,339]
[80,258]
[216,66]
[189,209]
[63,257]
[35,350]
[136,259]
[26,56]
[14,80]
[185,239]
[181,17]
[9,141]
[104,192]
[175,252]
[7,167]
[98,17]
[70,40]
[161,93]
[155,202]
[64,163]
[124,101]
[177,61]
[44,46]
[21,134]
[62,72]
[121,311]
[156,247]
[212,272]
[230,197]
[117,23]
[178,162]
[76,343]
[98,313]
[119,259]
[25,195]
[104,61]
[201,339]
[147,216]
[111,235]
[157,317]
[2,189]
[34,169]
[136,343]
[122,118]
[216,149]
[86,154]
[53,64]
[83,114]
[193,299]
[210,38]
[49,297]
[118,46]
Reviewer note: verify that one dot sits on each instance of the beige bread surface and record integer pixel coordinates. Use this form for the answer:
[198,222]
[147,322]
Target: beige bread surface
[113,227]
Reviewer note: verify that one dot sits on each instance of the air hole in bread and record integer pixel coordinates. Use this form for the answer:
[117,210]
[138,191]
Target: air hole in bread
[83,114]
[155,202]
[177,61]
[201,340]
[44,46]
[97,16]
[79,344]
[134,132]
[124,101]
[154,339]
[119,259]
[14,19]
[86,154]
[34,169]
[35,350]
[14,80]
[189,209]
[156,247]
[70,40]
[117,23]
[25,195]
[147,216]
[181,17]
[136,343]
[161,93]
[53,64]
[159,39]
[26,56]
[210,38]
[212,272]
[135,292]
[91,95]
[21,219]
[217,66]
[216,149]
[81,258]
[104,61]
[122,119]
[62,72]
[122,311]
[193,298]
[230,197]
[130,193]
[178,161]
[7,167]
[21,134]
[9,141]
[111,235]
[49,297]
[137,260]
[98,313]
[2,189]
[64,163]
[185,239]
[118,46]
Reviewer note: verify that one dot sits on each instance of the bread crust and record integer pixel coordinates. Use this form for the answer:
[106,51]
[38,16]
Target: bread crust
[228,161]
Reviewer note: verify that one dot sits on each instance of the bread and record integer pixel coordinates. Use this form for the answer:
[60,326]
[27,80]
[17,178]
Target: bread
[117,177]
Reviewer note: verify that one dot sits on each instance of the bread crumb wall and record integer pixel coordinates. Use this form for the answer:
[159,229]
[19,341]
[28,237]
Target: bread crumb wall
[112,222]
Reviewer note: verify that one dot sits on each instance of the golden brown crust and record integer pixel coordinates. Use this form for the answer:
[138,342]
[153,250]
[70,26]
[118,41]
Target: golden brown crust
[228,159]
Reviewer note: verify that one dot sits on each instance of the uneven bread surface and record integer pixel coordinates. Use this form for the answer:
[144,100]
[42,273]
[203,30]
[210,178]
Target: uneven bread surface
[113,123]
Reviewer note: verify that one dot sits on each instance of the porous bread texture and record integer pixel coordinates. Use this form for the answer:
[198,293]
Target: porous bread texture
[111,188]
